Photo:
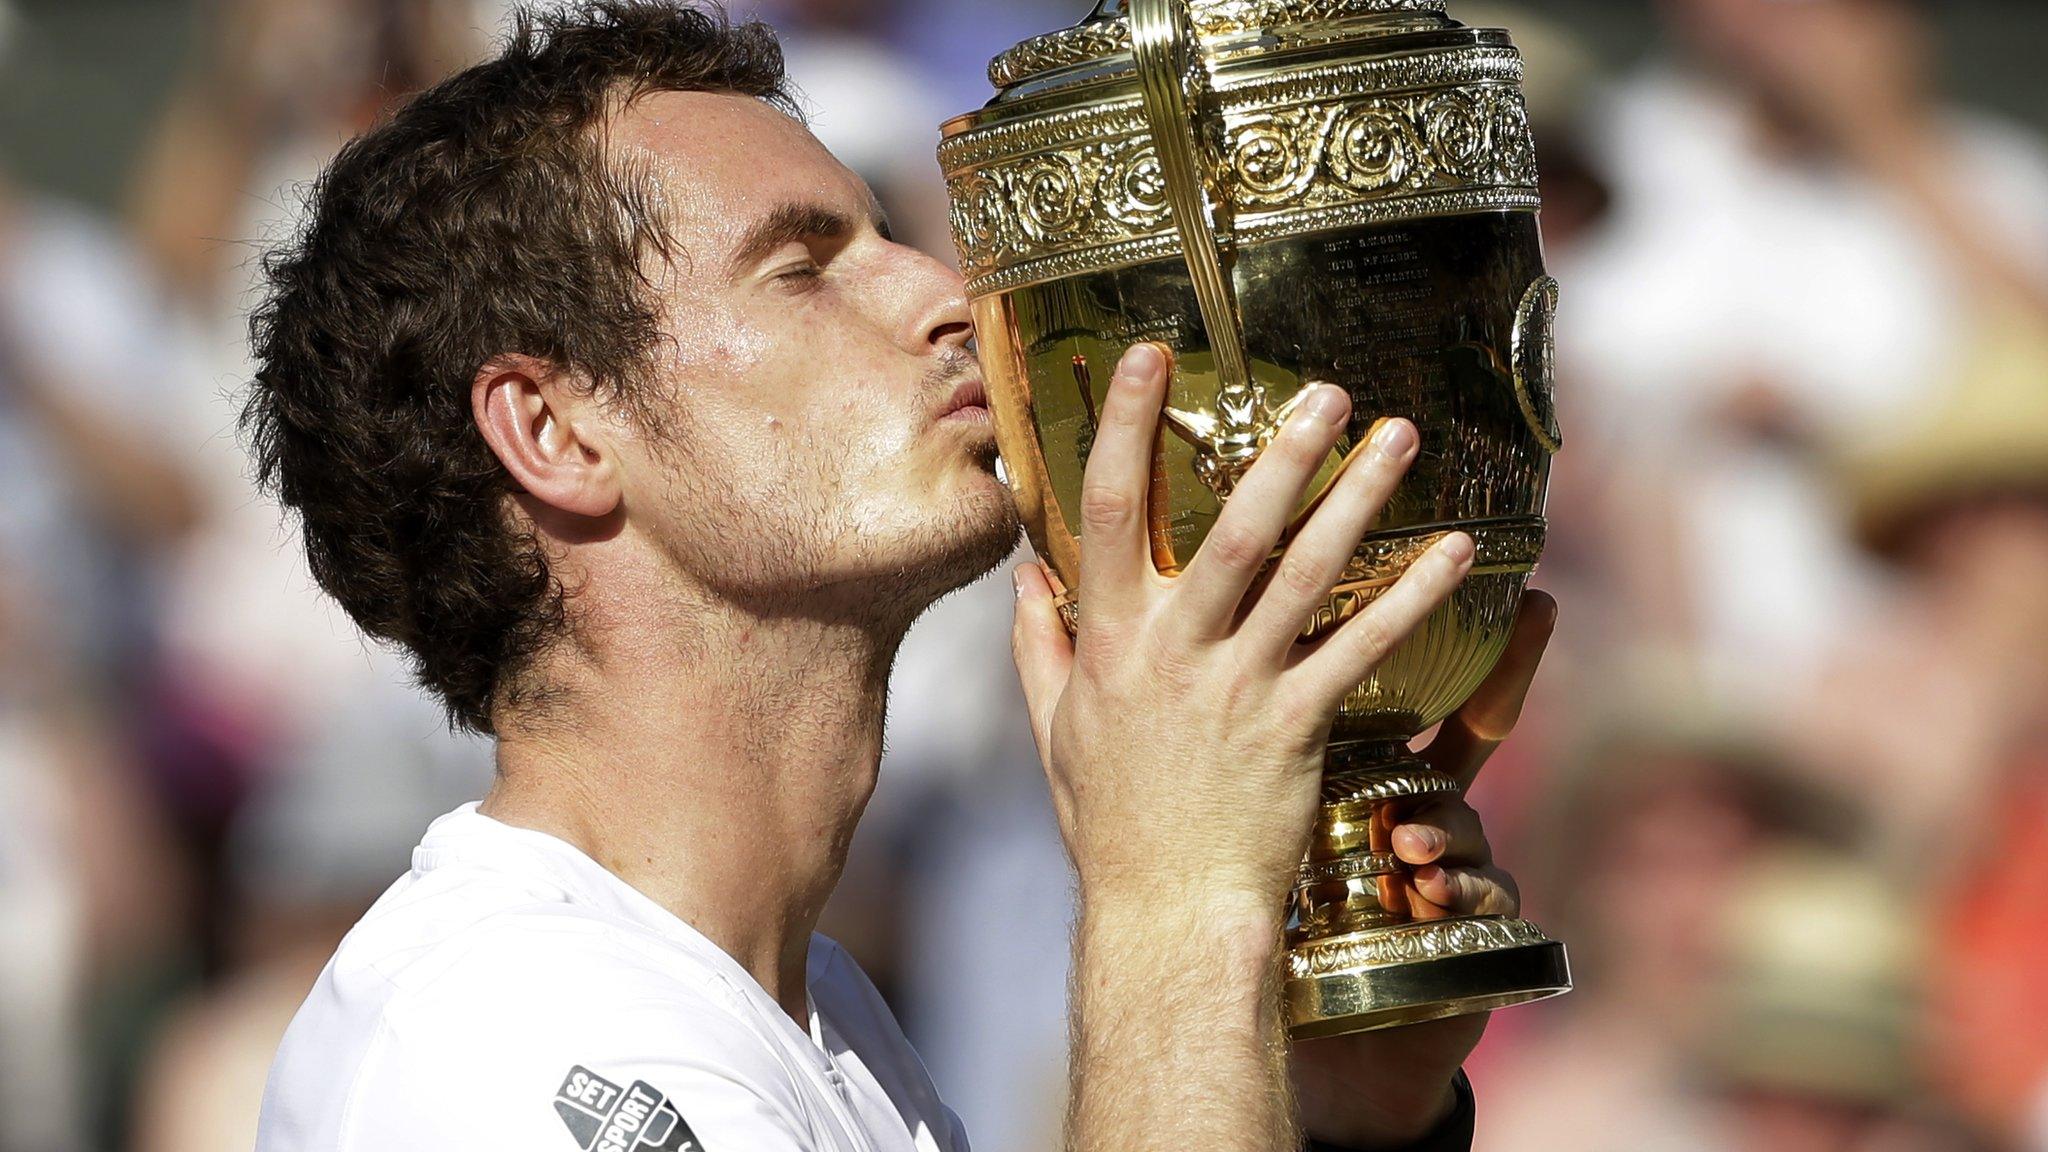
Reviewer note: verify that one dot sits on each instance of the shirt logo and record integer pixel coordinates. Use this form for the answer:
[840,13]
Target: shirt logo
[606,1118]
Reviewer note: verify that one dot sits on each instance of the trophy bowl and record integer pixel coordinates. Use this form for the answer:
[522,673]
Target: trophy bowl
[1288,193]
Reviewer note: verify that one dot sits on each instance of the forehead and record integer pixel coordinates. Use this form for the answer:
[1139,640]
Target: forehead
[722,162]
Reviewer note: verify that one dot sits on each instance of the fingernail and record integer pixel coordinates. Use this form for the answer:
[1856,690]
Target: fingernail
[1017,578]
[1428,842]
[1143,362]
[1458,547]
[1395,439]
[1328,404]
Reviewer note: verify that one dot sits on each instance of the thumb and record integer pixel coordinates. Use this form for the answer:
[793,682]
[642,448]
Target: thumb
[1043,651]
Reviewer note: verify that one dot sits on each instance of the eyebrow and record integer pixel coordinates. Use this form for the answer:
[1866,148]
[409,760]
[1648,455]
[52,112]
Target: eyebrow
[796,223]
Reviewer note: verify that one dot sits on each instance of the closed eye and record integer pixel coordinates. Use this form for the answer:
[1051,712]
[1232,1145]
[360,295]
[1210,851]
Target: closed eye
[807,227]
[805,275]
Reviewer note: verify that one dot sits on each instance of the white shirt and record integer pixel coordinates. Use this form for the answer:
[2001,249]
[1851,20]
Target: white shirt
[510,994]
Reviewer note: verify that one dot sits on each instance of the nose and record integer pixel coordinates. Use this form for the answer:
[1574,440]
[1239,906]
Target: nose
[937,297]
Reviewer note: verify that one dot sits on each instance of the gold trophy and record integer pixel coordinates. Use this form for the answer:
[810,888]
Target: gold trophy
[1290,192]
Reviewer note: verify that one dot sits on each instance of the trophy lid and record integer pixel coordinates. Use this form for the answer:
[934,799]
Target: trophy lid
[1102,41]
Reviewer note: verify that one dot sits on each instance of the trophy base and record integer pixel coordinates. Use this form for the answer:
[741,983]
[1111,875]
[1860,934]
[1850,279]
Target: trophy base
[1360,982]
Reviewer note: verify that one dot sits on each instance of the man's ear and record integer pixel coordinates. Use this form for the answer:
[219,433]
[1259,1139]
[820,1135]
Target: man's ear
[548,434]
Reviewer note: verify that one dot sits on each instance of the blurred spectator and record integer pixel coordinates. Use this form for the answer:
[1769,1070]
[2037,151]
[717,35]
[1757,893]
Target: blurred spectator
[309,853]
[276,87]
[1801,231]
[1817,1028]
[92,455]
[1639,847]
[42,918]
[96,463]
[1941,708]
[254,660]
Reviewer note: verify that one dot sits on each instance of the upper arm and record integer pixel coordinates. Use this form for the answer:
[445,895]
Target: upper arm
[406,1098]
[541,1053]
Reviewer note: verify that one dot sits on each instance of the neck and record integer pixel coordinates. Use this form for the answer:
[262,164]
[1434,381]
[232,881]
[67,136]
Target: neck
[716,759]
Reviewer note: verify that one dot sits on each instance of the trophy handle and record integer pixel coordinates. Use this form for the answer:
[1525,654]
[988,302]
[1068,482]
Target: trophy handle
[1227,441]
[1162,43]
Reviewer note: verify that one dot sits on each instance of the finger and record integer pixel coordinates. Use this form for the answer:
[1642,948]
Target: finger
[1209,590]
[1483,891]
[1301,582]
[1336,665]
[1465,742]
[1116,556]
[1444,832]
[1044,653]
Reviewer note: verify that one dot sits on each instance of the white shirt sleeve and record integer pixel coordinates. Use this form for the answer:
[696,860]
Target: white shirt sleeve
[495,1093]
[558,1050]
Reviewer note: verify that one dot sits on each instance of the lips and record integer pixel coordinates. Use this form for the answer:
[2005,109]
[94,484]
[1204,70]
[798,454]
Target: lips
[969,400]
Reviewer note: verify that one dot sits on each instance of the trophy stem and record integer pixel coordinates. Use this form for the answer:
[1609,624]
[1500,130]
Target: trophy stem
[1357,956]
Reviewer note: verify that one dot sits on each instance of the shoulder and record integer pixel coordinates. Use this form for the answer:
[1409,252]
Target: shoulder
[506,1031]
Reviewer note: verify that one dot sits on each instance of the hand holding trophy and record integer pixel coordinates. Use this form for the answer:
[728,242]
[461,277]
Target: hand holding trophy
[1281,193]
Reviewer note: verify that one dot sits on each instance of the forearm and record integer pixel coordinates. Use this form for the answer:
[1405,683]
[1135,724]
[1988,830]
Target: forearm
[1177,1040]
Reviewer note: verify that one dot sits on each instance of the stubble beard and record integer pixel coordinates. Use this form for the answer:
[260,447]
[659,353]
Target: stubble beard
[977,536]
[773,562]
[992,534]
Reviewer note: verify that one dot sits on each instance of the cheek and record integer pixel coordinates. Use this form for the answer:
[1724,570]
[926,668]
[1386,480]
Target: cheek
[709,341]
[798,392]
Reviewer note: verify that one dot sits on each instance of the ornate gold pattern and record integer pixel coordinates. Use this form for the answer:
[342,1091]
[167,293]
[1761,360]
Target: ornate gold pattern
[1164,244]
[1359,867]
[1418,72]
[1075,191]
[1422,207]
[1376,787]
[1380,561]
[1513,545]
[1408,943]
[1229,440]
[1212,19]
[1061,49]
[1534,355]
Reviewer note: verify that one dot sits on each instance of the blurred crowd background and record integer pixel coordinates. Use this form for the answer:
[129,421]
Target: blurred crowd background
[1783,786]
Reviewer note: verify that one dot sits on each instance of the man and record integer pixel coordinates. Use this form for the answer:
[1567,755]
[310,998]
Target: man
[600,388]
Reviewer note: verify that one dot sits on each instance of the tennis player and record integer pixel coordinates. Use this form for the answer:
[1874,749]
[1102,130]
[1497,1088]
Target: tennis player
[599,388]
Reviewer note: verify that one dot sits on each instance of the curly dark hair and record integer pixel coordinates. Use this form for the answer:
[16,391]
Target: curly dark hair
[481,219]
